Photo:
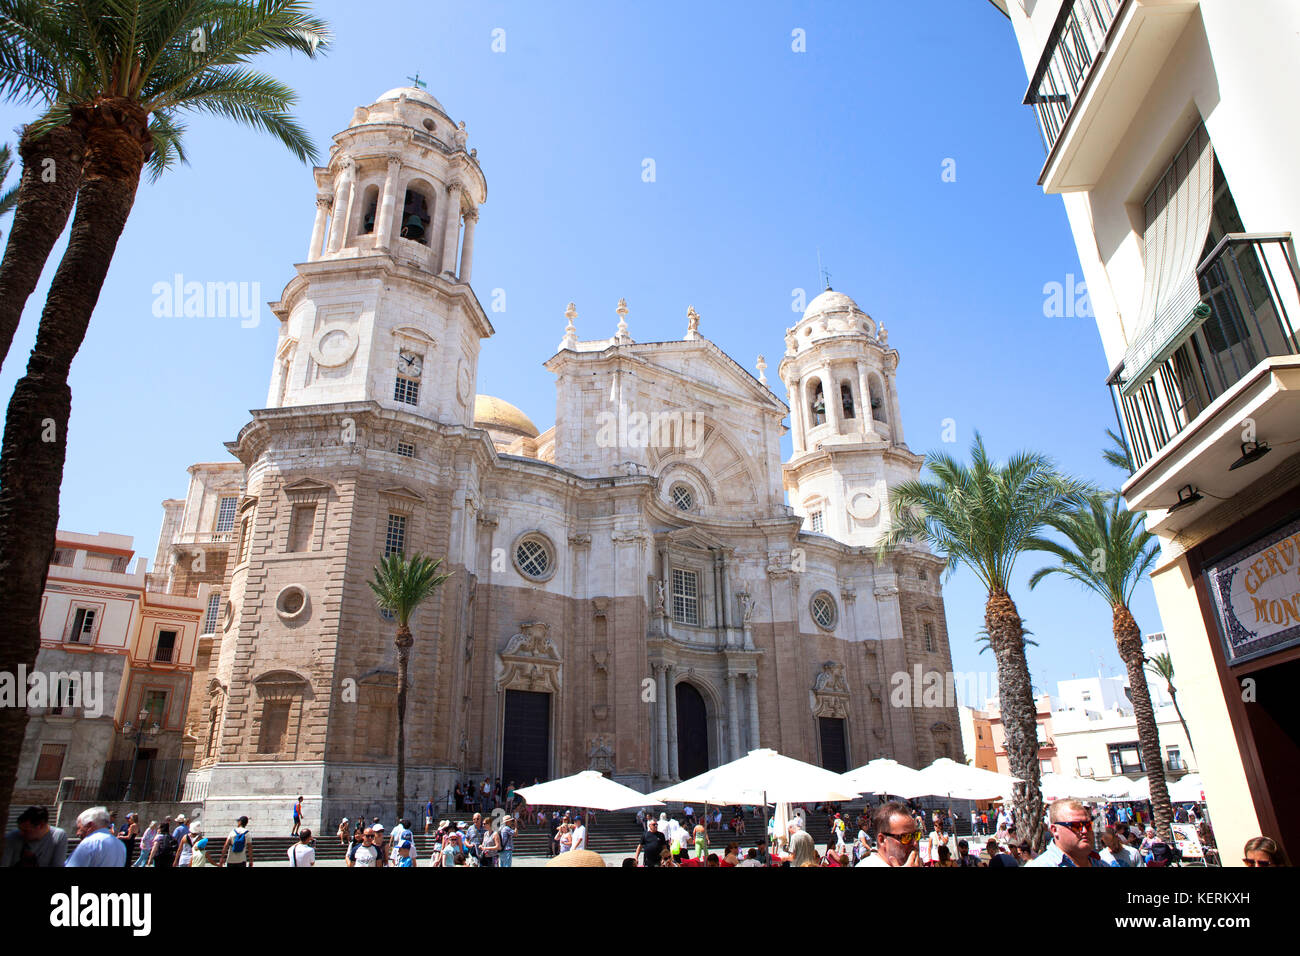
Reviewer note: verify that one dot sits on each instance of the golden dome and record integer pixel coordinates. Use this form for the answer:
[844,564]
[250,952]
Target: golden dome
[493,414]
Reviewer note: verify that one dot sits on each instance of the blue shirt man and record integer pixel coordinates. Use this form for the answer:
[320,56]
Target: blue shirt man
[98,846]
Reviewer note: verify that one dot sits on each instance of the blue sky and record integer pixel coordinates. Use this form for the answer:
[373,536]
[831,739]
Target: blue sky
[763,155]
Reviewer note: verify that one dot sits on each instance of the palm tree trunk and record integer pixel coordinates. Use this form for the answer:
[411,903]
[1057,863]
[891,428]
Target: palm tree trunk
[1173,695]
[1128,640]
[1019,713]
[403,642]
[36,424]
[51,175]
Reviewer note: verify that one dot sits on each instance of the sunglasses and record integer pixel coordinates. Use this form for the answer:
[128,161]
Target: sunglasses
[1257,862]
[907,839]
[1078,826]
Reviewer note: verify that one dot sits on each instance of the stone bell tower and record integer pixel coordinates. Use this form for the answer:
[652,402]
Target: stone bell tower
[382,309]
[847,439]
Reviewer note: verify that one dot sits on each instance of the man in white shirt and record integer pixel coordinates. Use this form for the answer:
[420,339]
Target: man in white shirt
[579,834]
[302,853]
[401,832]
[364,854]
[897,837]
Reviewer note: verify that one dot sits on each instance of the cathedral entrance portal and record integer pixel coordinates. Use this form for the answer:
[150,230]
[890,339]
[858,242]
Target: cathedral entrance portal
[526,747]
[692,732]
[834,753]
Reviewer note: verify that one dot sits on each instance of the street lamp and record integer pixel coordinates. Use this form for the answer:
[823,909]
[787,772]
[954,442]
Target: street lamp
[140,732]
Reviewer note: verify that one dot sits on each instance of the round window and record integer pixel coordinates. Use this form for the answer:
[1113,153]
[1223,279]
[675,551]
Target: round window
[823,610]
[682,497]
[291,602]
[534,557]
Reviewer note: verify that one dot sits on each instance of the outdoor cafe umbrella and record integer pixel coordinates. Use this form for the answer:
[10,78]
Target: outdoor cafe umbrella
[1063,786]
[761,777]
[885,776]
[946,777]
[1189,789]
[589,789]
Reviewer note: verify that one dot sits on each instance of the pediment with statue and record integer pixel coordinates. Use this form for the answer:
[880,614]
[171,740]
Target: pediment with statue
[530,660]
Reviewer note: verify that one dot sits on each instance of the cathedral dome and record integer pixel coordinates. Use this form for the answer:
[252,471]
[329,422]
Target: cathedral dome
[413,95]
[496,416]
[831,301]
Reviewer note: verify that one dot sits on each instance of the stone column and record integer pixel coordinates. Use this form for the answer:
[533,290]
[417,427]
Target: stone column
[831,392]
[452,233]
[387,203]
[733,717]
[864,400]
[751,679]
[323,204]
[672,723]
[342,206]
[798,418]
[467,247]
[661,718]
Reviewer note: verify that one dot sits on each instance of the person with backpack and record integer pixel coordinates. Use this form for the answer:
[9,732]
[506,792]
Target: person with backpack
[238,849]
[165,845]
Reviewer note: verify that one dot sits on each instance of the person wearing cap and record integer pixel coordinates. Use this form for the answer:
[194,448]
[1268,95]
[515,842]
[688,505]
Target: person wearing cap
[180,832]
[507,837]
[200,857]
[238,848]
[345,832]
[377,829]
[405,851]
[185,853]
[652,842]
[579,841]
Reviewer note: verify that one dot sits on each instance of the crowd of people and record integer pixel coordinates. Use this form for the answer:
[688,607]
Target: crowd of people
[897,834]
[893,834]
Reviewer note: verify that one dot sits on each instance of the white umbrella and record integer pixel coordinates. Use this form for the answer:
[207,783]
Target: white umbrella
[780,823]
[1137,790]
[1187,790]
[946,777]
[1062,786]
[587,789]
[761,777]
[887,776]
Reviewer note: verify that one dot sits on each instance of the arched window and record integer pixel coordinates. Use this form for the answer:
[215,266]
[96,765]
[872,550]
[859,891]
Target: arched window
[846,399]
[816,403]
[415,217]
[369,210]
[878,410]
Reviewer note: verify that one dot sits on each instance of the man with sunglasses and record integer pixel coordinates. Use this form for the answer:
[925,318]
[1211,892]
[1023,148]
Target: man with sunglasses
[897,837]
[1072,837]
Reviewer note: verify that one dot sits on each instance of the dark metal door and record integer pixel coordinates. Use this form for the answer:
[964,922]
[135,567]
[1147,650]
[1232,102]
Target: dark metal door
[526,749]
[692,732]
[834,754]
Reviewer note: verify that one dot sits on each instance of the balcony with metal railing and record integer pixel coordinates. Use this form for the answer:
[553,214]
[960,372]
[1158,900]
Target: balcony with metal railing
[1237,357]
[1100,59]
[1241,319]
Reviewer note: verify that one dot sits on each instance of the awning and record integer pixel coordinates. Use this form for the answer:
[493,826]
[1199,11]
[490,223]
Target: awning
[1177,215]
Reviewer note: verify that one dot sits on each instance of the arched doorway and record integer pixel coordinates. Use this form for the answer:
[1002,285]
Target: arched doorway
[526,741]
[692,732]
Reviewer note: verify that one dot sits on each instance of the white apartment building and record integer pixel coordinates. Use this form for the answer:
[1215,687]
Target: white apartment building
[1171,134]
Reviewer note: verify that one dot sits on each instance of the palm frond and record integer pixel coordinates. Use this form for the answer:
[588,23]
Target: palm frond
[400,585]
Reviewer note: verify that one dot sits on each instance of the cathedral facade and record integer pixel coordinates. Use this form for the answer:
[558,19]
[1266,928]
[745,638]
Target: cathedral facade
[630,590]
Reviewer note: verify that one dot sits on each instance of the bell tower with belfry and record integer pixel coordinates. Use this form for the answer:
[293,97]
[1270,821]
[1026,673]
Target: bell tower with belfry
[382,309]
[847,438]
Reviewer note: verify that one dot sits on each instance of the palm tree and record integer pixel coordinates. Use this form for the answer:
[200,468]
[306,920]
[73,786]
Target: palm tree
[400,587]
[982,516]
[135,65]
[1118,454]
[1107,550]
[36,42]
[1163,667]
[8,197]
